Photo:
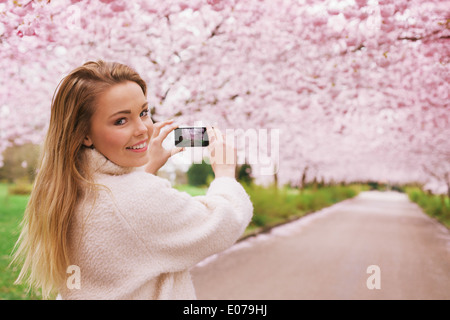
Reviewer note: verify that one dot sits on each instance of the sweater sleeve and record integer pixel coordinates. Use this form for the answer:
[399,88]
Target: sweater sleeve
[179,230]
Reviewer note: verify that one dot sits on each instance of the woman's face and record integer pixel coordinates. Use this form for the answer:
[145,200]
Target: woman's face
[121,126]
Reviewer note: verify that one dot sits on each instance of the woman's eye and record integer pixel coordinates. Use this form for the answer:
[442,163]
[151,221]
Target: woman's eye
[144,113]
[120,122]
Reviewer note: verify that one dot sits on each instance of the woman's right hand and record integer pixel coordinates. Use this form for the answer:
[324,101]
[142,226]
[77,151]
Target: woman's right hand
[223,155]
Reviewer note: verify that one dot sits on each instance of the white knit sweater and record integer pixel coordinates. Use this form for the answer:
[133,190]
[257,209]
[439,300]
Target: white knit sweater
[139,240]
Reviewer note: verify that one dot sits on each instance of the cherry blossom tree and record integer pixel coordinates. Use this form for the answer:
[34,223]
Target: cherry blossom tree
[358,90]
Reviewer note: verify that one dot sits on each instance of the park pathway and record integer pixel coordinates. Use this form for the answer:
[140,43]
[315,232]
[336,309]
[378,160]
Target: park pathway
[329,254]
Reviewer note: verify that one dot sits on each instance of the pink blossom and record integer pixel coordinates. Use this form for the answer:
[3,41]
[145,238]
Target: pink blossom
[360,91]
[332,11]
[387,10]
[361,3]
[217,5]
[319,21]
[118,6]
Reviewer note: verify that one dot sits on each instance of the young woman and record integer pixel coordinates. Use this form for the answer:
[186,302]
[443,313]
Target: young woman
[98,206]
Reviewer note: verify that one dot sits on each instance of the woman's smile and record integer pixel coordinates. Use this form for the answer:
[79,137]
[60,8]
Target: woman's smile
[139,147]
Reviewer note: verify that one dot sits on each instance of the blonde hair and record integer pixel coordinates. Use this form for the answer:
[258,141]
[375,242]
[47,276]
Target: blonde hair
[62,178]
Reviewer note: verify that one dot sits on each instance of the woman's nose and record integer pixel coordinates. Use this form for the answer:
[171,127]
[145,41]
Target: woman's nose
[141,128]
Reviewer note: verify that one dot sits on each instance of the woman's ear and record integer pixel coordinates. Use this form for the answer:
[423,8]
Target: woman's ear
[87,142]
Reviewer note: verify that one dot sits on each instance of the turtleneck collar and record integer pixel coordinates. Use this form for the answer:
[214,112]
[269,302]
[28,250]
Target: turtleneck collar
[98,163]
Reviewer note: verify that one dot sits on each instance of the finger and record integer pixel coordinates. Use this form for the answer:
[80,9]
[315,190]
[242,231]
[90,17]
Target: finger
[210,131]
[176,150]
[164,133]
[219,135]
[159,125]
[211,134]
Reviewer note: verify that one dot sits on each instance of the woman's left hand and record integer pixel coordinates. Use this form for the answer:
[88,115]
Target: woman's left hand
[158,154]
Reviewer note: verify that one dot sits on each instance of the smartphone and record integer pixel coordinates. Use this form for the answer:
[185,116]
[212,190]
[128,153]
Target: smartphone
[191,137]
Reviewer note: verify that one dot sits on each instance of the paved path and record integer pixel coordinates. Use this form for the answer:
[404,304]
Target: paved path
[326,255]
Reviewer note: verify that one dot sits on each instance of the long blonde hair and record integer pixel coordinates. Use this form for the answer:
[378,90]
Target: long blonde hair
[62,178]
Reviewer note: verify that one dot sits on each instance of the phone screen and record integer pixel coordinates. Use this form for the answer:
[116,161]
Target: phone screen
[191,137]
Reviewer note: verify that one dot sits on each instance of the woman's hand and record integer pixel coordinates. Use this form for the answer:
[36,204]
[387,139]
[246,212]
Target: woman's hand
[158,154]
[223,155]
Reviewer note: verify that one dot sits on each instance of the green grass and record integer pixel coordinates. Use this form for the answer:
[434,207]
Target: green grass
[11,213]
[436,206]
[193,191]
[273,206]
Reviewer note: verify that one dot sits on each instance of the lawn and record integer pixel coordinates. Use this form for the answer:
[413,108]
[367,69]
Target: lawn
[436,206]
[11,213]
